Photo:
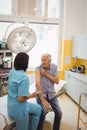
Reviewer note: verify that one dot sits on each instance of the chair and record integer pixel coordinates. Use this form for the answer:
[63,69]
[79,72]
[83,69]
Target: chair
[79,115]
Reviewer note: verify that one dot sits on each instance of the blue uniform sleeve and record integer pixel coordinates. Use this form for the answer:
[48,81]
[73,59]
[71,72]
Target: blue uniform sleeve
[23,89]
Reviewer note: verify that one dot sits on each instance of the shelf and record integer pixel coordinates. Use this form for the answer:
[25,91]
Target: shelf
[5,66]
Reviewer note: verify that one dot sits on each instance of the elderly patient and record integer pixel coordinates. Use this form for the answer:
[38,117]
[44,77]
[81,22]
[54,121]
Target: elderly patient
[46,76]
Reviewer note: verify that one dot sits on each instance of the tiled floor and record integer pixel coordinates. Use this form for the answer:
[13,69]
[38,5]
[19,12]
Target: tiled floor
[69,118]
[70,115]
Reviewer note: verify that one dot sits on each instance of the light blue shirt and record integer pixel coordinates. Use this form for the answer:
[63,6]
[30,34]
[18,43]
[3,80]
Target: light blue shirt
[18,85]
[46,84]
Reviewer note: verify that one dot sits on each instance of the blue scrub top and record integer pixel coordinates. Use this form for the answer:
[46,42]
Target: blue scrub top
[18,85]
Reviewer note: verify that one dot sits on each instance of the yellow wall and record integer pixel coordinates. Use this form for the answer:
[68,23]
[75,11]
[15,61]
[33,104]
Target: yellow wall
[66,47]
[81,61]
[68,54]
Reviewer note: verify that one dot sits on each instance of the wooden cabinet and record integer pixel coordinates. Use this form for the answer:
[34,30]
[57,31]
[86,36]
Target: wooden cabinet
[79,46]
[75,86]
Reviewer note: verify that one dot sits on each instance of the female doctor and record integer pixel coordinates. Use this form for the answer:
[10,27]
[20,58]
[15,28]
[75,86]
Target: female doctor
[25,114]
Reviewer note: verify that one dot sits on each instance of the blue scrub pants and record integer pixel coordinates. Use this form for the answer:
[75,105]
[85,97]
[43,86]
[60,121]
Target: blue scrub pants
[29,122]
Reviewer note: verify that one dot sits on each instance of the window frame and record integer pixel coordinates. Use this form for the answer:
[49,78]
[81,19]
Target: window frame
[34,19]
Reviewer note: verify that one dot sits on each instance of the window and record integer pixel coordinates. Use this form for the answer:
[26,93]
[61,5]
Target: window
[5,7]
[47,30]
[50,8]
[53,8]
[47,41]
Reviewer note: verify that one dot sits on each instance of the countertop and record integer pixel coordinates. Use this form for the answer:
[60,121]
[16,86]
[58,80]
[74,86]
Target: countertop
[79,76]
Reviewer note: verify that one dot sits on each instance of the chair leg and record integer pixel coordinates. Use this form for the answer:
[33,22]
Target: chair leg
[79,112]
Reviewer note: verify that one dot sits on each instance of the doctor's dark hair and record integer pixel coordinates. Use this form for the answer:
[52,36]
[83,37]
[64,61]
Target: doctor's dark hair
[21,61]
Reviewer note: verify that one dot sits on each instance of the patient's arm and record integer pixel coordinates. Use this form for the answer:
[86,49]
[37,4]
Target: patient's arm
[39,90]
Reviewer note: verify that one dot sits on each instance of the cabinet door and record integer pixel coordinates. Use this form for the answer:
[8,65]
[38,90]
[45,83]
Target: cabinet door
[76,47]
[84,103]
[74,88]
[84,99]
[79,46]
[69,85]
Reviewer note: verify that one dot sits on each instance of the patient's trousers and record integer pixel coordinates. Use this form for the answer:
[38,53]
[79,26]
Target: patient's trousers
[57,110]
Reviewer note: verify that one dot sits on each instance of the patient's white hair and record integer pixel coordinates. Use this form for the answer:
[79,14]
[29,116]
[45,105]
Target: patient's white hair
[48,55]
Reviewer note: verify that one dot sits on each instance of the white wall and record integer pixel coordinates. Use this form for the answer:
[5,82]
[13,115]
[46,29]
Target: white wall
[75,18]
[85,20]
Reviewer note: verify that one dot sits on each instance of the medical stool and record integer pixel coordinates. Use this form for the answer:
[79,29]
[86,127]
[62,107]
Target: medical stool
[79,108]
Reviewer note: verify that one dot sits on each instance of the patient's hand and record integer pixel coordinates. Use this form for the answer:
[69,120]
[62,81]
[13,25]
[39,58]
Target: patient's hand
[45,104]
[43,71]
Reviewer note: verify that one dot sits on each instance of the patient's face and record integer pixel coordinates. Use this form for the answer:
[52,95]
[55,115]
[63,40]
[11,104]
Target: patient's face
[45,62]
